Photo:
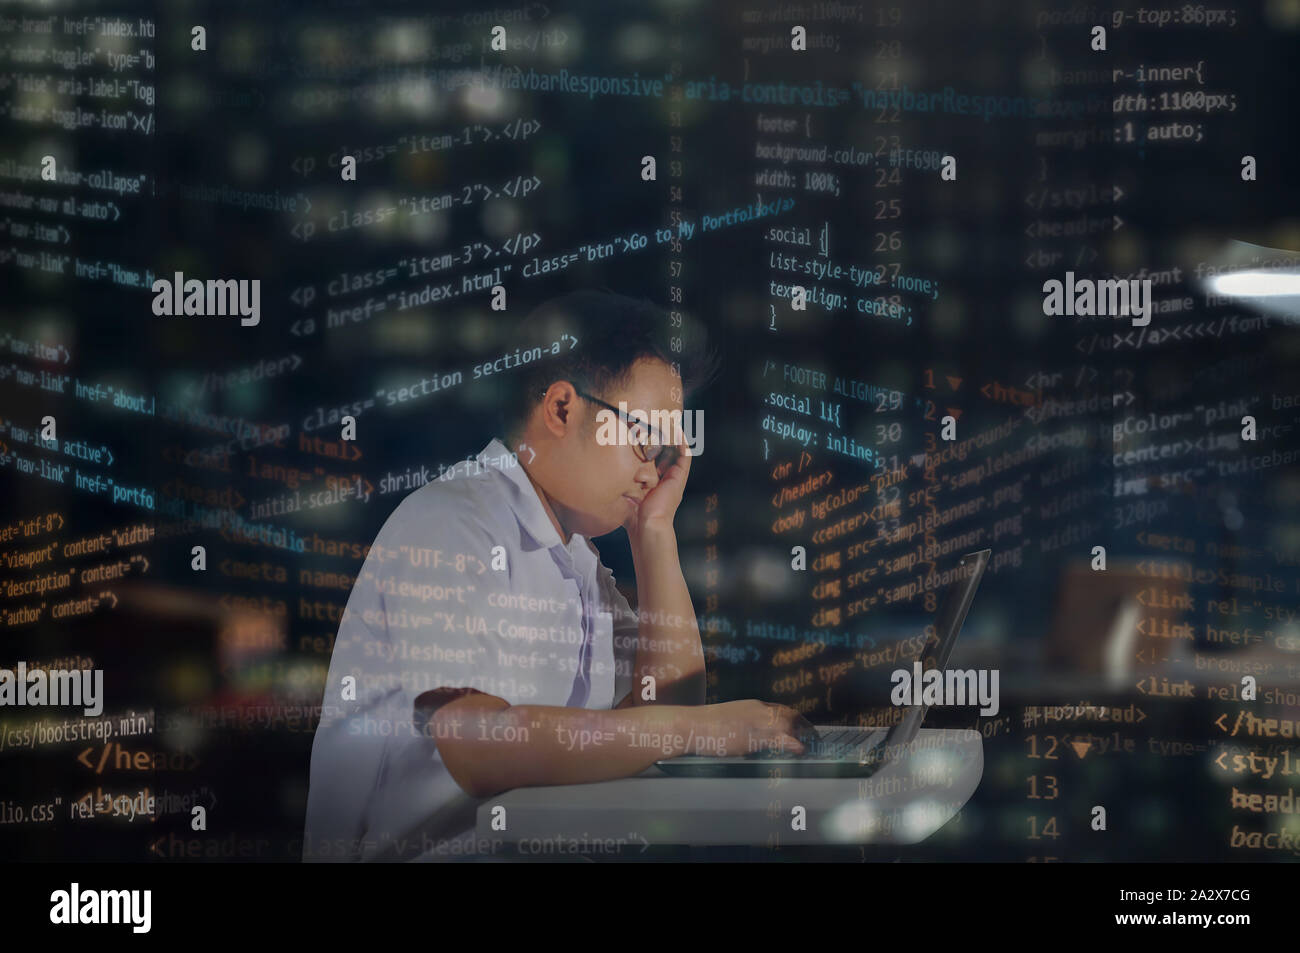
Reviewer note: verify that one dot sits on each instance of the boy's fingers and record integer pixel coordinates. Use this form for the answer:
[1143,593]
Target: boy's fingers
[802,728]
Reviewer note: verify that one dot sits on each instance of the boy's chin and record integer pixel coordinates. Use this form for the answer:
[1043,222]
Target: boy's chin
[595,527]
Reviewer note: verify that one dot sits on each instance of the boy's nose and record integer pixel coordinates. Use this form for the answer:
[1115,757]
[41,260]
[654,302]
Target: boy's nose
[647,475]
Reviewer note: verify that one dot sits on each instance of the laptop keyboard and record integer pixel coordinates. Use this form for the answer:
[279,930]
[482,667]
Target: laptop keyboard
[837,742]
[840,741]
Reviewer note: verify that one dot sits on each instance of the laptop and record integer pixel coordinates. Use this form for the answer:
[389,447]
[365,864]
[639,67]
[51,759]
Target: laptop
[852,752]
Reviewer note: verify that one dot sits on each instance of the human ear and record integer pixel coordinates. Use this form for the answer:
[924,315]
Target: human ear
[558,406]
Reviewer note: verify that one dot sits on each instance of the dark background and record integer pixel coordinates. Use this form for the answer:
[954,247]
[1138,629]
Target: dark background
[246,115]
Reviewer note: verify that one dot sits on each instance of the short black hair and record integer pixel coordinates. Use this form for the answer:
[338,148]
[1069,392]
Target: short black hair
[612,332]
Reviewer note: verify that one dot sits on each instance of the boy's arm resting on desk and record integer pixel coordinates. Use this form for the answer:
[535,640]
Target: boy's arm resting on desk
[489,746]
[551,745]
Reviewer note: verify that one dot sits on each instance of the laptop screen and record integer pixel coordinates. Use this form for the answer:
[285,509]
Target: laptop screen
[952,614]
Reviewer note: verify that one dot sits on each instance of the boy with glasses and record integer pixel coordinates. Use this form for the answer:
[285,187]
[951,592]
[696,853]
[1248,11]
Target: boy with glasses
[487,645]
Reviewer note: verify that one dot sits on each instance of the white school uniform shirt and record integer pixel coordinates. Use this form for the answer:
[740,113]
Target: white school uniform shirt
[428,611]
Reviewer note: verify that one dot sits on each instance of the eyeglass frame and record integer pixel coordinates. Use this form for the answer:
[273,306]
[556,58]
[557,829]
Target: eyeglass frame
[667,451]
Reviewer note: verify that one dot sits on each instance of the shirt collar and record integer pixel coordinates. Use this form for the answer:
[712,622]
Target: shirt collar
[527,505]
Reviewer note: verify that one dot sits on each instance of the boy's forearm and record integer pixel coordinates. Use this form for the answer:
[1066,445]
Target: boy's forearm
[489,746]
[669,646]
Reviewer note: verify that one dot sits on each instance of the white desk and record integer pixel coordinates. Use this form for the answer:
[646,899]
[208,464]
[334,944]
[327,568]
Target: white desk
[903,803]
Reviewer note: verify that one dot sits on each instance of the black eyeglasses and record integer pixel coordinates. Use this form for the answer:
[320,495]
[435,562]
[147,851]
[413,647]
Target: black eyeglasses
[647,443]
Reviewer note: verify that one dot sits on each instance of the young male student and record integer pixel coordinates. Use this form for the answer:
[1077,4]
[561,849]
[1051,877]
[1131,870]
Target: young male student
[485,646]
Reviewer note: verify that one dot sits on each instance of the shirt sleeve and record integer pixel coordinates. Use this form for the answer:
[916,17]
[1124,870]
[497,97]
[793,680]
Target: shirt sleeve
[626,633]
